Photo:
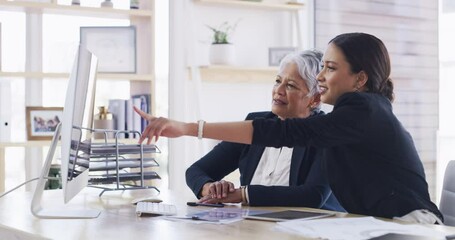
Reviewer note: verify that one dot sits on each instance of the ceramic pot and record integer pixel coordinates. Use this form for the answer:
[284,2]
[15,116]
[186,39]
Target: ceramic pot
[134,4]
[107,4]
[222,54]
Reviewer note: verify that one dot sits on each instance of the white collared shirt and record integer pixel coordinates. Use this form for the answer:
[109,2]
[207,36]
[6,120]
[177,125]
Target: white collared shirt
[274,167]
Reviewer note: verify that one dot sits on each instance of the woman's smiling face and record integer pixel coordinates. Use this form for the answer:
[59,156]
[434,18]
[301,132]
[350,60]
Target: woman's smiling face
[290,94]
[336,77]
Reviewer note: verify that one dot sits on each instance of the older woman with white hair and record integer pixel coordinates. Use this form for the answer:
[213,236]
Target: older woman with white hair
[271,176]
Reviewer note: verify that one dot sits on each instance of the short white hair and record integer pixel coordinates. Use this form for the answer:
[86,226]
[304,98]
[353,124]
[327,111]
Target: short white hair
[309,65]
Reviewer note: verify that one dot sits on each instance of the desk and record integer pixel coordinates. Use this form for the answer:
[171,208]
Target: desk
[119,221]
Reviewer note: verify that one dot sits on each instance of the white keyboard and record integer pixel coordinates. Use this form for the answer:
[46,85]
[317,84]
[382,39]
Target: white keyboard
[155,208]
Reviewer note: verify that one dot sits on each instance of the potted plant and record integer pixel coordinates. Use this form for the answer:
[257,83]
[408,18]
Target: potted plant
[222,50]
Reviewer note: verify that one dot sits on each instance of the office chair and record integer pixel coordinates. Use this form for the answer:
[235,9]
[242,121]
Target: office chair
[447,204]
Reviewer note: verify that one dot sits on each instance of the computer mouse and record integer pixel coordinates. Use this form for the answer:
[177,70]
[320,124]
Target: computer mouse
[146,199]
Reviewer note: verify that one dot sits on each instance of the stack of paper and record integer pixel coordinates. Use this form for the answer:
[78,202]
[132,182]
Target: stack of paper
[354,228]
[216,215]
[12,233]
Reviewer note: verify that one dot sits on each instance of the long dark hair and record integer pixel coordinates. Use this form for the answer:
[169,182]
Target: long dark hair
[365,52]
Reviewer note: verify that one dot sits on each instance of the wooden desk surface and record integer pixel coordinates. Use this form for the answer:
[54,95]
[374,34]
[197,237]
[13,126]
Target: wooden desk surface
[119,221]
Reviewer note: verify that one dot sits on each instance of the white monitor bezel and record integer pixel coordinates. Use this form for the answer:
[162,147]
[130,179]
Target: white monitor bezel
[84,68]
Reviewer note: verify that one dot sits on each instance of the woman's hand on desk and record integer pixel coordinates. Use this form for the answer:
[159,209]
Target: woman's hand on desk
[234,197]
[161,127]
[219,189]
[221,192]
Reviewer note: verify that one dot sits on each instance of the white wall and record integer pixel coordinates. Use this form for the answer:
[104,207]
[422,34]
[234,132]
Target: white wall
[232,102]
[409,30]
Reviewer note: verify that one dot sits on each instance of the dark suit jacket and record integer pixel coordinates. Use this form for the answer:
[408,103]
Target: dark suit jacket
[308,184]
[371,161]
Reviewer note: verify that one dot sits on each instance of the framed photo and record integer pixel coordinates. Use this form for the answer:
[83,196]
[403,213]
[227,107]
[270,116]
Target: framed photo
[115,47]
[42,121]
[278,53]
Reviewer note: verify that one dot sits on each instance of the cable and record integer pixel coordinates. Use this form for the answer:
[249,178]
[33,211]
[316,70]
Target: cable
[22,184]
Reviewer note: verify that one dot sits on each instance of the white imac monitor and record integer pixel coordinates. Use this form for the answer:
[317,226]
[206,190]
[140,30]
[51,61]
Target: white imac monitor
[75,132]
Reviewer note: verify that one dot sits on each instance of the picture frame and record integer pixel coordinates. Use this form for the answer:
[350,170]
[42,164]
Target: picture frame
[115,47]
[42,121]
[276,54]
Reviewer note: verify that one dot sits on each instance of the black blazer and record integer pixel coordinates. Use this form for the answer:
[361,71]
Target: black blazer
[308,184]
[371,161]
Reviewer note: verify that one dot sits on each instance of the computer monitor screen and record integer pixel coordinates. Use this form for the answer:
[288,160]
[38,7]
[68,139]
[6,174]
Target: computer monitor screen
[77,122]
[75,130]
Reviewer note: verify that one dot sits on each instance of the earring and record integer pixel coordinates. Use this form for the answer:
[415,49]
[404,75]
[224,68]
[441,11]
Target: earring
[313,106]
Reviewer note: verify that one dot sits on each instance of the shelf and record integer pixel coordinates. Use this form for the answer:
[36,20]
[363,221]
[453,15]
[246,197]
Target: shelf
[234,74]
[48,143]
[129,76]
[250,4]
[52,8]
[25,144]
[113,76]
[33,75]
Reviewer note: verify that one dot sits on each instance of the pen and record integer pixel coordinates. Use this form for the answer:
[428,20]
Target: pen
[205,204]
[449,237]
[197,218]
[194,218]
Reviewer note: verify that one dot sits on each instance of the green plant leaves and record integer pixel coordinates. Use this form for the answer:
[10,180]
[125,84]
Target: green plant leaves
[221,33]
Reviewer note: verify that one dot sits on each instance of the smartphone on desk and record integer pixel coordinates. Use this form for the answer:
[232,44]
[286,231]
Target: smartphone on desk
[195,204]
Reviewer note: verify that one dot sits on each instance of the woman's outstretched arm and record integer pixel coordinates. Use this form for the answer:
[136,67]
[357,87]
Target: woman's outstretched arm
[239,132]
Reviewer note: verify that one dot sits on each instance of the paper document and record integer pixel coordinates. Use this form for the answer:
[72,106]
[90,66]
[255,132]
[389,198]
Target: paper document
[216,215]
[354,228]
[11,233]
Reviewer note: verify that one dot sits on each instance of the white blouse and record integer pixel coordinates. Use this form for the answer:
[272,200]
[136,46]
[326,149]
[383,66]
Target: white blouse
[274,167]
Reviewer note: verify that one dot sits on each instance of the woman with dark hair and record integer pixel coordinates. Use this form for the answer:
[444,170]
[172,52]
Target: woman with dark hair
[371,161]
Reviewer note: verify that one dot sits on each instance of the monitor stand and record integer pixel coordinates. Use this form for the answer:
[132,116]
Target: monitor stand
[36,208]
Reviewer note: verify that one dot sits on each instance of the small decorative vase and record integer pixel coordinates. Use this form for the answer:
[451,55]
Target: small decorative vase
[107,3]
[104,120]
[222,54]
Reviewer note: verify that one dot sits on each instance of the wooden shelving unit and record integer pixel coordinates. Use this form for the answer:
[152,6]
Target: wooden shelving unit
[143,19]
[252,4]
[233,74]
